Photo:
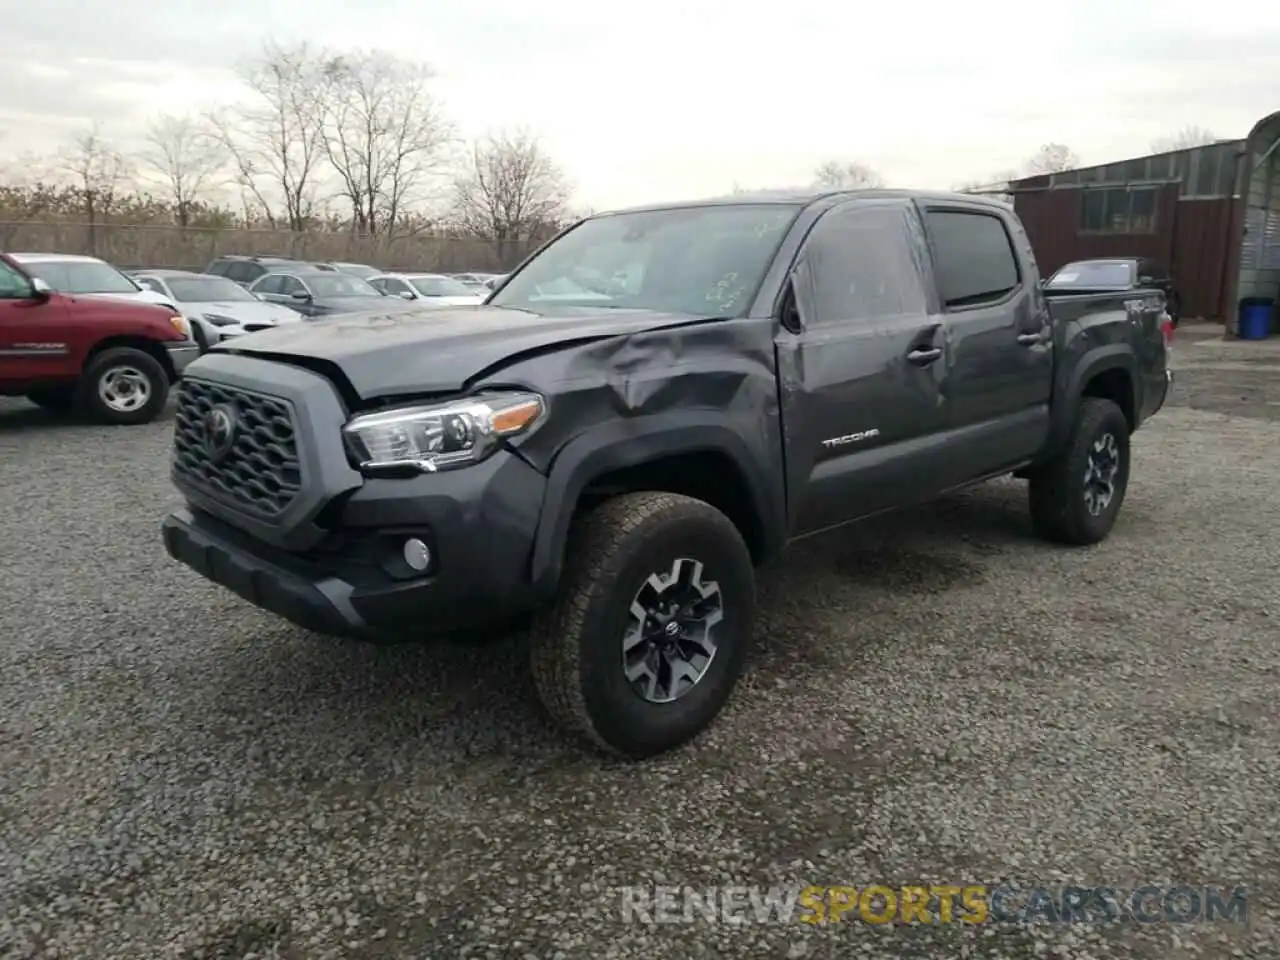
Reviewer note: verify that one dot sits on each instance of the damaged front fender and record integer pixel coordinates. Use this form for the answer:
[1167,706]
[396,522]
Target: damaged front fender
[630,400]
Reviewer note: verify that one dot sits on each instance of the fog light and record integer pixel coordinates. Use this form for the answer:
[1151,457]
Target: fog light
[416,554]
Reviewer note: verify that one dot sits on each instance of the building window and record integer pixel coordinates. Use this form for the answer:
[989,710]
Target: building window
[1119,210]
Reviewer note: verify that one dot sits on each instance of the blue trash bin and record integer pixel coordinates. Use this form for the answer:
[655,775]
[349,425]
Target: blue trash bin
[1255,318]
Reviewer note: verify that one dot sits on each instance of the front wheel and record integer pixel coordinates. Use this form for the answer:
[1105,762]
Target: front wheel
[124,385]
[650,631]
[1076,496]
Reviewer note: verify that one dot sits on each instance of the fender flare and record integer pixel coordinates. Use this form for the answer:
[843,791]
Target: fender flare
[628,443]
[1118,356]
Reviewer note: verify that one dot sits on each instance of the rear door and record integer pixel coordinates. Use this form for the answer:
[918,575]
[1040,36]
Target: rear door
[1000,354]
[860,364]
[37,339]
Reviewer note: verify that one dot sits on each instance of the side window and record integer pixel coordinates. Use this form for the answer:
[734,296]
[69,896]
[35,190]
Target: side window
[290,286]
[861,263]
[973,257]
[218,268]
[146,283]
[393,288]
[268,285]
[13,285]
[241,272]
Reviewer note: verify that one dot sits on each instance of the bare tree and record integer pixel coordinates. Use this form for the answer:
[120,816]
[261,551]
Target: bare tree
[187,158]
[98,174]
[1052,158]
[838,175]
[276,141]
[384,135]
[1184,139]
[509,190]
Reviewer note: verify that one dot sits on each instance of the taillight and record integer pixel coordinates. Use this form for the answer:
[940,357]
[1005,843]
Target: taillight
[1166,328]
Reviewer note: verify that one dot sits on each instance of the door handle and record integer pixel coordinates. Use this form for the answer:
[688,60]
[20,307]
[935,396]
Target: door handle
[1028,339]
[923,355]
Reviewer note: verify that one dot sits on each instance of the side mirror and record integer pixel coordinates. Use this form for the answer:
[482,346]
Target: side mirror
[301,295]
[407,295]
[40,289]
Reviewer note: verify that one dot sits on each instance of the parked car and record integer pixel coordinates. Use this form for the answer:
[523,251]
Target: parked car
[217,308]
[87,276]
[492,282]
[478,281]
[245,270]
[108,359]
[1115,274]
[361,270]
[428,288]
[318,294]
[616,465]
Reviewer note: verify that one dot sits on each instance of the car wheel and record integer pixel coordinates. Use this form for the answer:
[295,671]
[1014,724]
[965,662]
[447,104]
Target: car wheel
[200,337]
[650,631]
[1076,496]
[124,386]
[59,400]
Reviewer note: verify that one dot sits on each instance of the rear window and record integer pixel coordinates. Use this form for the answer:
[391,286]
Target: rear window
[1093,273]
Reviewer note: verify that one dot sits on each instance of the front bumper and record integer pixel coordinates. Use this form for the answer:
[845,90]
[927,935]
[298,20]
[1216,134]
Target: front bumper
[182,354]
[479,523]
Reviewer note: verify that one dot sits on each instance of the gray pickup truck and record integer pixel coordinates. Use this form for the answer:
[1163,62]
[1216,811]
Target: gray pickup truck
[651,406]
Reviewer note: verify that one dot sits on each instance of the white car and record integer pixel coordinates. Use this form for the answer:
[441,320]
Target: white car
[88,277]
[217,308]
[429,289]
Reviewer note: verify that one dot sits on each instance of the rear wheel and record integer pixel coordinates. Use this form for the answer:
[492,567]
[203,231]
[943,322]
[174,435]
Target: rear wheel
[1076,497]
[59,400]
[124,385]
[650,632]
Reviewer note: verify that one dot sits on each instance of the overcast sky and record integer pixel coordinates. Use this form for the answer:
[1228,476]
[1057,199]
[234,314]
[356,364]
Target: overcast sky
[670,99]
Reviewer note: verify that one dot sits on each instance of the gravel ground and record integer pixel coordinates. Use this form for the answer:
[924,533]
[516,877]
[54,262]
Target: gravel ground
[935,697]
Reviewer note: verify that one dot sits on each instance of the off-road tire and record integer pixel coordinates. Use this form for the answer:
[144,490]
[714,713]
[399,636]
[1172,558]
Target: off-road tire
[91,403]
[1057,489]
[56,400]
[576,649]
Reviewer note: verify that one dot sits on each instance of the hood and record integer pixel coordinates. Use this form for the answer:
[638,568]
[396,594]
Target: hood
[141,296]
[245,311]
[435,350]
[462,300]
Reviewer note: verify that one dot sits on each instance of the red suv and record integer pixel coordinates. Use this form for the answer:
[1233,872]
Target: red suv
[110,360]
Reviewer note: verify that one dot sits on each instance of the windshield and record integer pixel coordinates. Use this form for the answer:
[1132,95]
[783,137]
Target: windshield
[207,290]
[81,276]
[339,285]
[1094,273]
[441,287]
[706,261]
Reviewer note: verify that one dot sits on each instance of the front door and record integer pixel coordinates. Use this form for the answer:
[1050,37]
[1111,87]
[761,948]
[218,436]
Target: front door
[861,365]
[36,339]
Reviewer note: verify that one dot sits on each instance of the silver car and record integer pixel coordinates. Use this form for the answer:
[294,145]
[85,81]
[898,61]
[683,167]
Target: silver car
[217,308]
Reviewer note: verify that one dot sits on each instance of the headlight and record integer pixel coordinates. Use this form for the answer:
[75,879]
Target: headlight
[218,320]
[180,324]
[427,439]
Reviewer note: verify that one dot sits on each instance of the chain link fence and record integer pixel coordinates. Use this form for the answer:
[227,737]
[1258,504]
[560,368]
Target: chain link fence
[133,246]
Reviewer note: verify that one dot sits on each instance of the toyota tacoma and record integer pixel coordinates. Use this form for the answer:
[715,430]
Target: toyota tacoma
[652,405]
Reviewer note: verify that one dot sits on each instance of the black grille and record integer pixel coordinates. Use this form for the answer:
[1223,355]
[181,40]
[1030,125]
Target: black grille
[261,470]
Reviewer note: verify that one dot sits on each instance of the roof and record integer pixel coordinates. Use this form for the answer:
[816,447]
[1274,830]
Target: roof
[50,257]
[173,273]
[413,276]
[803,198]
